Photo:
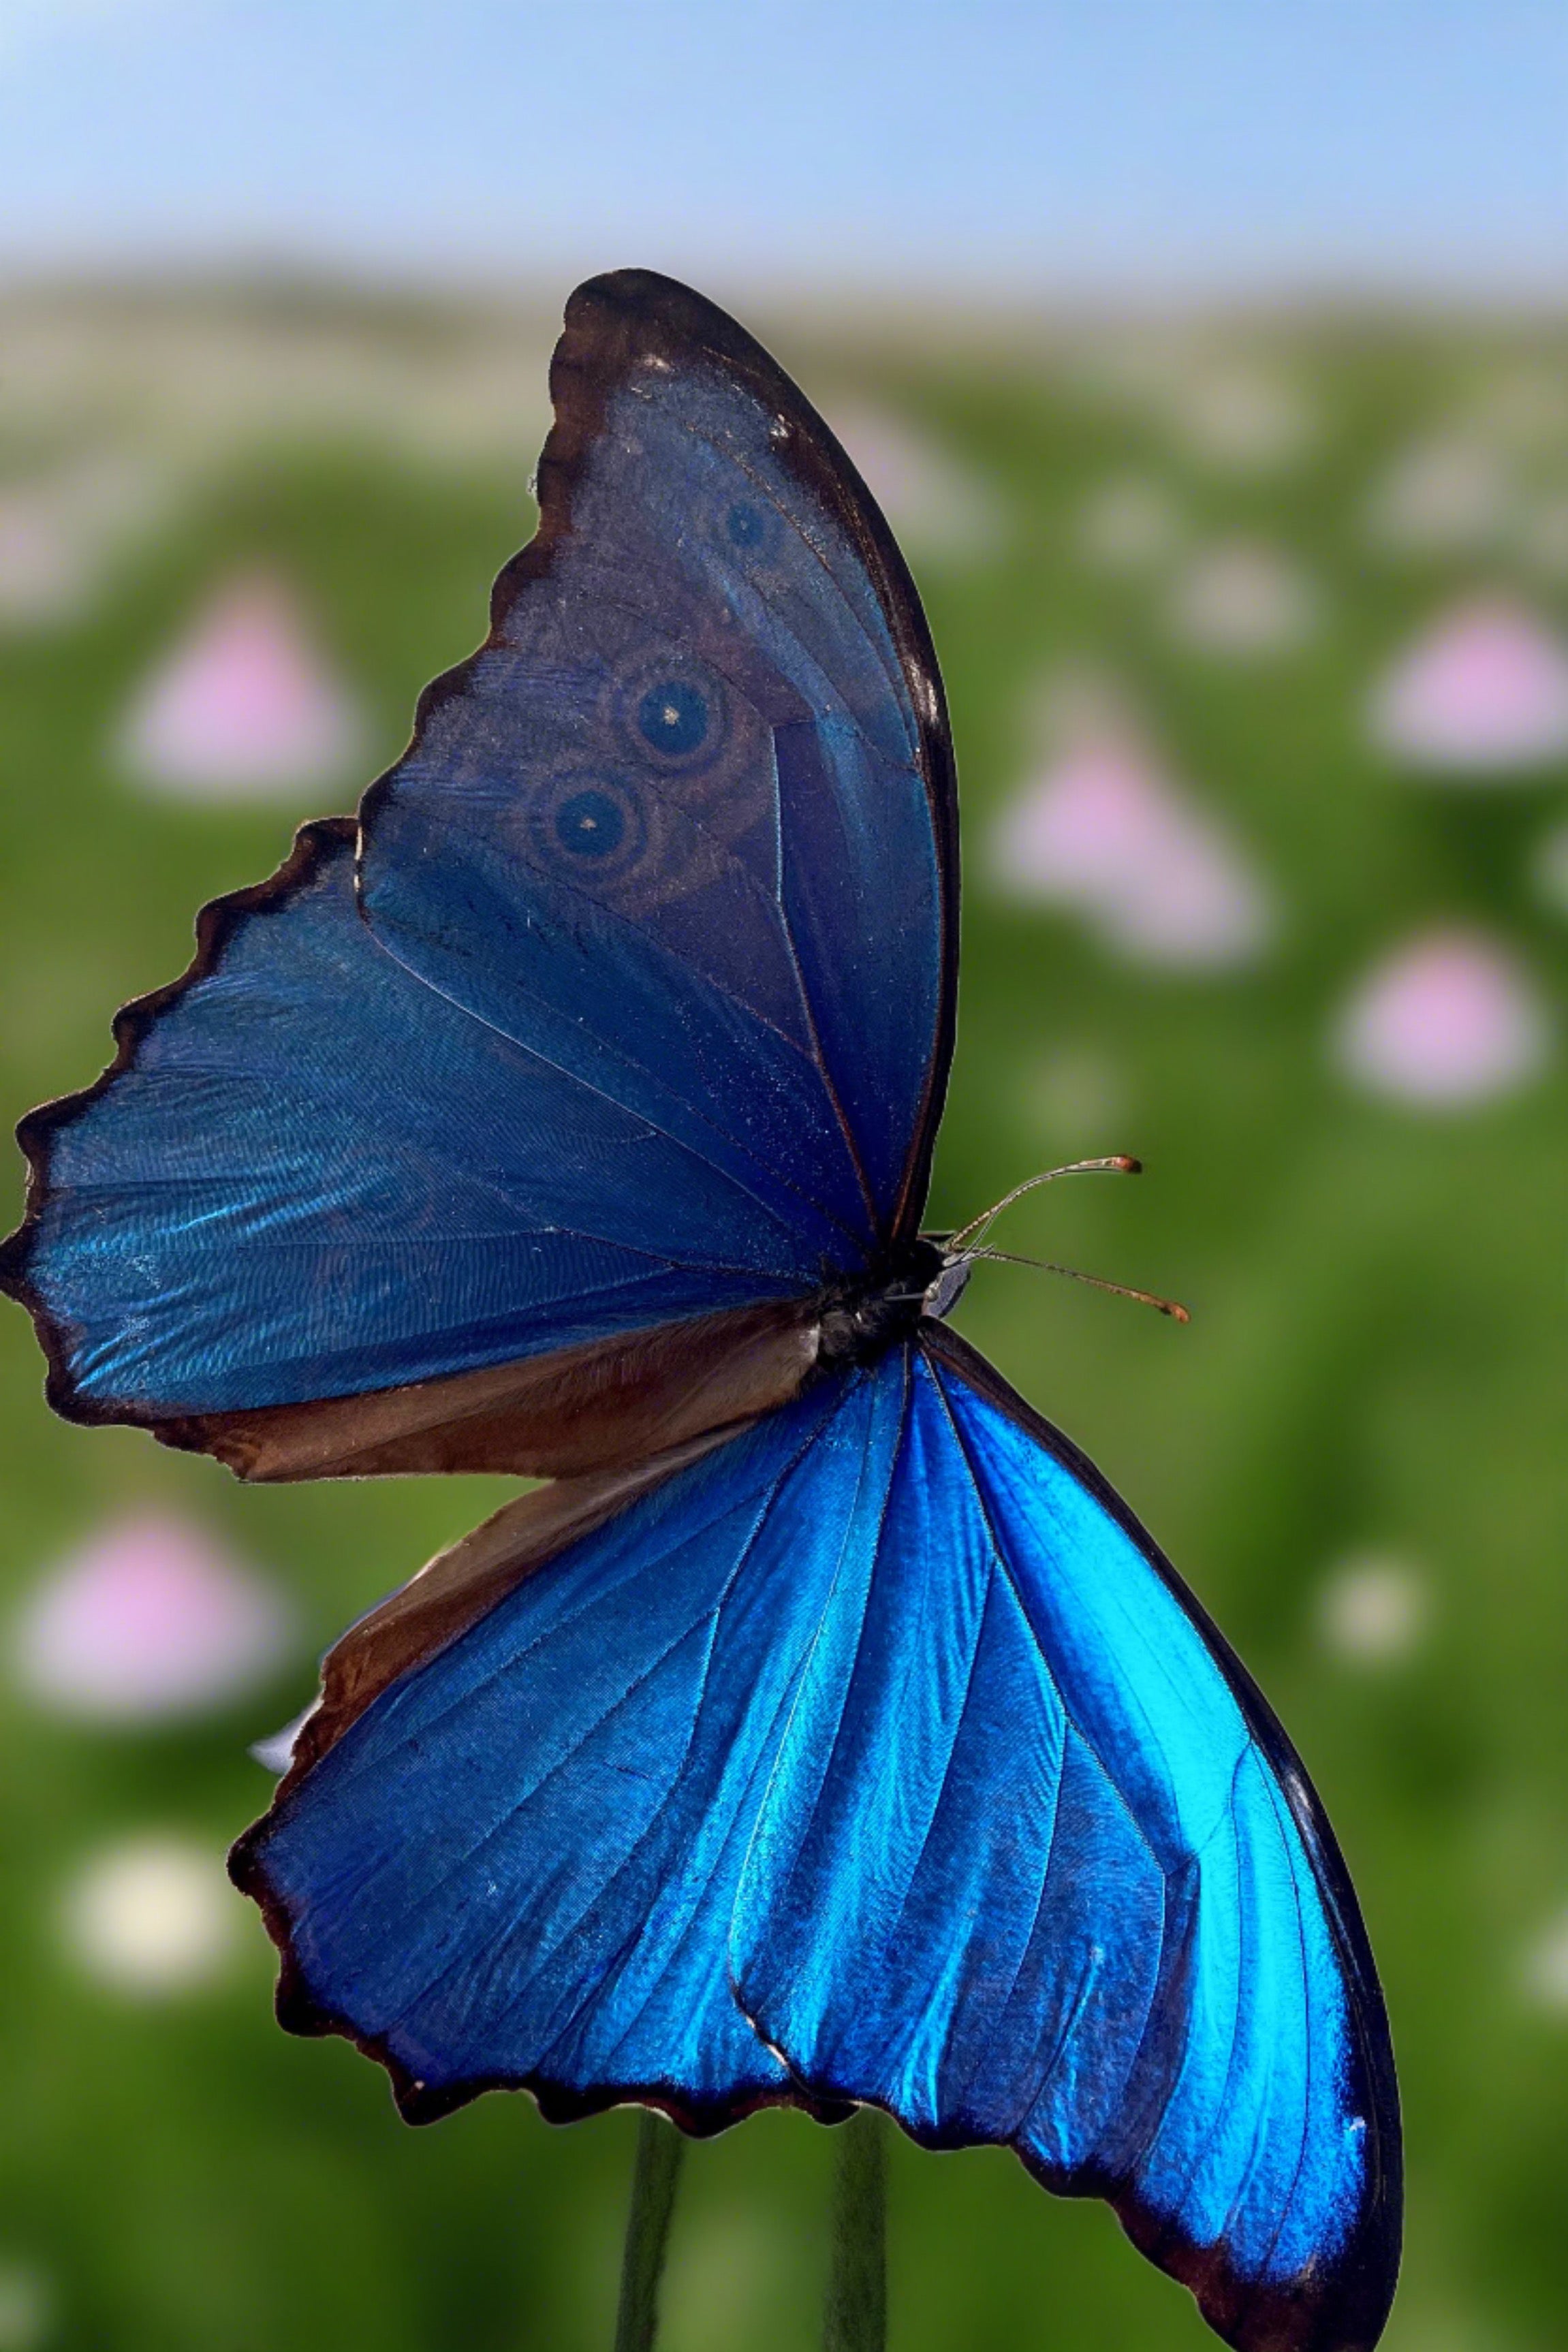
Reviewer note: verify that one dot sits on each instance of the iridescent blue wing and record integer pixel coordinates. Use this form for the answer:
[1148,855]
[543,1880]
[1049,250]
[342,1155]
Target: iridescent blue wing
[1037,1865]
[514,1861]
[688,819]
[645,1011]
[873,1756]
[309,1174]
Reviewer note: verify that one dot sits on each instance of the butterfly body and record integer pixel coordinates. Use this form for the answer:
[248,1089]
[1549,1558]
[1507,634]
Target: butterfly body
[828,1732]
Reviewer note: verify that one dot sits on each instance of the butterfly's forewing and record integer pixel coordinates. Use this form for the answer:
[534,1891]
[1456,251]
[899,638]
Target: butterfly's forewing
[685,823]
[313,1175]
[877,1754]
[1037,1865]
[643,1019]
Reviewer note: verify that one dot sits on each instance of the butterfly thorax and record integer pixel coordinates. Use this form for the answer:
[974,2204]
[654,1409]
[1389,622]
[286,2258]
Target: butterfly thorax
[863,1318]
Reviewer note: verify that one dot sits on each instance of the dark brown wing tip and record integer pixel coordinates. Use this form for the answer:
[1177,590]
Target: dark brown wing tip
[643,303]
[35,1132]
[1342,2308]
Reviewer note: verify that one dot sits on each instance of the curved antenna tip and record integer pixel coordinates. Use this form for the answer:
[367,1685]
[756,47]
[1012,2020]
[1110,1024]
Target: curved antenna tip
[1171,1307]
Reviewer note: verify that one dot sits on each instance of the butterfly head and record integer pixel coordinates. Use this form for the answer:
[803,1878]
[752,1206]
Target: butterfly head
[860,1321]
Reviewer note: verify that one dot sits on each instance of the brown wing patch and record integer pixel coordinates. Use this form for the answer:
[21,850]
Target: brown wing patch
[552,1416]
[462,1583]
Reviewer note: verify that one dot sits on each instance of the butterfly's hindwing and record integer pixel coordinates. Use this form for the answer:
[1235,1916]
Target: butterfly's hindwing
[887,1761]
[1037,1865]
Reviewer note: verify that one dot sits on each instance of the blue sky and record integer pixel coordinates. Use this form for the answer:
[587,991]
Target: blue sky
[1115,144]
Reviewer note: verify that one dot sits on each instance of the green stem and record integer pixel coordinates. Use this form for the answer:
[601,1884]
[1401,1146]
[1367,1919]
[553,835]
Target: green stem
[656,2173]
[856,2319]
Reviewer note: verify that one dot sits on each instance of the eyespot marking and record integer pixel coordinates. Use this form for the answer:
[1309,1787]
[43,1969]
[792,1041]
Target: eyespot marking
[590,824]
[673,718]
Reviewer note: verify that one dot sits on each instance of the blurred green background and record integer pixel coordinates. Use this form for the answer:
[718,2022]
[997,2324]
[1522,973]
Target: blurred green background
[1211,363]
[1354,1452]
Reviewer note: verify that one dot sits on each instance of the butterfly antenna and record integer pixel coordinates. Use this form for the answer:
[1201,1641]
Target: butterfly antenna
[975,1233]
[1171,1307]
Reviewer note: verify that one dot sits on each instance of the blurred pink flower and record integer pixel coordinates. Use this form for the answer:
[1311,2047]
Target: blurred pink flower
[930,495]
[149,1618]
[1484,691]
[1102,829]
[1446,1021]
[244,706]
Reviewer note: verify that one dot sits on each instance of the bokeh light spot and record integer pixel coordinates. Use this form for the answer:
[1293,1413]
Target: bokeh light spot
[1546,1967]
[1373,1610]
[152,1916]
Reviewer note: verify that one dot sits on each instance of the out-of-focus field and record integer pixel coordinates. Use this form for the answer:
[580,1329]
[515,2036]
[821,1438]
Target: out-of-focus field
[1201,547]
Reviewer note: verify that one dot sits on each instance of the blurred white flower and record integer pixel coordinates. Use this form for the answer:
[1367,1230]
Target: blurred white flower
[1130,524]
[1243,418]
[151,1916]
[1483,693]
[1373,1611]
[1242,598]
[1448,1021]
[1545,1971]
[1102,828]
[1451,495]
[243,707]
[149,1619]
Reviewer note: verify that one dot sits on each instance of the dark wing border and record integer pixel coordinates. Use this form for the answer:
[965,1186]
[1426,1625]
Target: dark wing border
[1365,2275]
[216,925]
[614,325]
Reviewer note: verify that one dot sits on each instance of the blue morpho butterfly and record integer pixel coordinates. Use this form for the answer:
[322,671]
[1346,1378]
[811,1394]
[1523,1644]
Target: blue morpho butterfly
[828,1732]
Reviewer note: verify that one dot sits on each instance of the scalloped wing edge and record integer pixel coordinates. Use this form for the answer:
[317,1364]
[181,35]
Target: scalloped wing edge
[215,924]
